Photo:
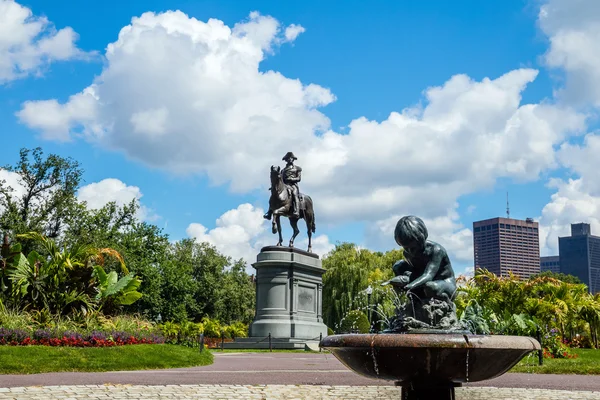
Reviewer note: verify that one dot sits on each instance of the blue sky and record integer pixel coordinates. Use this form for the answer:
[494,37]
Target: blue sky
[369,59]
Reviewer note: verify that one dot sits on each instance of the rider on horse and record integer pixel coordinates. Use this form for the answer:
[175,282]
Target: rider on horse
[291,175]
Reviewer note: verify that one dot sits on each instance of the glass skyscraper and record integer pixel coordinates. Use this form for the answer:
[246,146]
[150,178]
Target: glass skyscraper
[580,255]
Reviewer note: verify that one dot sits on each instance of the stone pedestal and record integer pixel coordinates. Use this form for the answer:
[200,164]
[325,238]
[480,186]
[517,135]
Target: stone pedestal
[288,300]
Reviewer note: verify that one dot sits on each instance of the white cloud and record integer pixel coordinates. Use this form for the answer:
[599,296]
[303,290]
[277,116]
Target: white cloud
[218,114]
[468,134]
[576,199]
[150,122]
[583,160]
[12,180]
[28,42]
[58,121]
[292,32]
[188,96]
[573,29]
[242,232]
[445,230]
[572,203]
[98,194]
[210,110]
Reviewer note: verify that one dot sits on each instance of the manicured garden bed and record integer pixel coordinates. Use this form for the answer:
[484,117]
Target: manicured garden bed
[46,337]
[38,359]
[587,362]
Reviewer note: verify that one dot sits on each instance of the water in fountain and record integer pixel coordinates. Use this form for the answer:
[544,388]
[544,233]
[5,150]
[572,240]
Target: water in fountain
[381,312]
[467,367]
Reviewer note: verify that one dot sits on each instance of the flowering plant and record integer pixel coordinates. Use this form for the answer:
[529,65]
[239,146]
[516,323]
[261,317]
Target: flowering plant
[45,337]
[554,346]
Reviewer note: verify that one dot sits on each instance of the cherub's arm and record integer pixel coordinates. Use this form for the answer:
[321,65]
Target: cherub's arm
[402,273]
[430,270]
[402,267]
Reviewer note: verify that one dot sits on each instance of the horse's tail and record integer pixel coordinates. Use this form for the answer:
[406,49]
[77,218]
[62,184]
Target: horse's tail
[311,212]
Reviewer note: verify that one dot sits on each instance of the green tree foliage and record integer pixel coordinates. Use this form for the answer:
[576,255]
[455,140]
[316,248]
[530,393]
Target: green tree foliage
[559,276]
[349,271]
[62,282]
[236,299]
[143,246]
[180,281]
[48,202]
[197,281]
[513,306]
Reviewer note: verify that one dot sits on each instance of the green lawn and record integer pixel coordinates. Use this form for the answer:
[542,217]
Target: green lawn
[588,363]
[37,359]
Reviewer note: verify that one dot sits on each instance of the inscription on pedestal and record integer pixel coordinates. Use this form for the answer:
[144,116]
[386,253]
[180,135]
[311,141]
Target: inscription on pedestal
[306,299]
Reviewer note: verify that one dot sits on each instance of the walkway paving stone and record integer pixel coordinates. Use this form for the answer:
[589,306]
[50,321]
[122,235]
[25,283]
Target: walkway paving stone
[269,392]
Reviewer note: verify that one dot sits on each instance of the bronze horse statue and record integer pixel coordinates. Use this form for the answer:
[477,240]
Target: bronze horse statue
[280,205]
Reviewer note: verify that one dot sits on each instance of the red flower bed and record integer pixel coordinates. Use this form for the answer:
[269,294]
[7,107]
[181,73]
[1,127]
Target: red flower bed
[65,341]
[95,339]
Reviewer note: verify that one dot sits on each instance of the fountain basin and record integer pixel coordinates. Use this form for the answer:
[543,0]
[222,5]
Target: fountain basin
[433,357]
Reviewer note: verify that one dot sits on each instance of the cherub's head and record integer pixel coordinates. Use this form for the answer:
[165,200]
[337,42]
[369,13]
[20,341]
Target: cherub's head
[411,233]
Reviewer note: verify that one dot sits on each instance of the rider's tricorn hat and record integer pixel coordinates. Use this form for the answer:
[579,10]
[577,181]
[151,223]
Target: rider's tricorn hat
[289,155]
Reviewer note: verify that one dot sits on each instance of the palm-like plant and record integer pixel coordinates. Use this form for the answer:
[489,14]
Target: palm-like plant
[589,311]
[113,291]
[64,281]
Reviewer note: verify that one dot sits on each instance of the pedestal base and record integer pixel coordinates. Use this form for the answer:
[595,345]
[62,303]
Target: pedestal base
[262,343]
[288,295]
[428,391]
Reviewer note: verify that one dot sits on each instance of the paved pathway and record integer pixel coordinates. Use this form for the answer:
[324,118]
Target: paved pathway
[270,392]
[286,376]
[276,369]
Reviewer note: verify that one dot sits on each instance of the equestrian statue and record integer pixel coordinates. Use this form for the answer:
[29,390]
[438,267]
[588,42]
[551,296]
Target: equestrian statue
[287,201]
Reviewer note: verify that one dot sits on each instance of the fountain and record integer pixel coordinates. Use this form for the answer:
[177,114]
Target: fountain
[425,349]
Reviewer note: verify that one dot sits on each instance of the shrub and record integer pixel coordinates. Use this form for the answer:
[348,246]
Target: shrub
[554,346]
[237,329]
[580,342]
[212,327]
[355,321]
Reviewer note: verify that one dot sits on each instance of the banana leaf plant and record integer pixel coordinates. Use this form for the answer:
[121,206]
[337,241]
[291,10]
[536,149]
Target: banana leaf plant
[113,291]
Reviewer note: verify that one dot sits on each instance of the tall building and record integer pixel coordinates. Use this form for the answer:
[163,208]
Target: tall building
[550,263]
[506,244]
[580,255]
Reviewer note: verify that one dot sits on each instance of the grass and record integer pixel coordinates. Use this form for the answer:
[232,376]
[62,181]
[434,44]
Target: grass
[38,359]
[587,363]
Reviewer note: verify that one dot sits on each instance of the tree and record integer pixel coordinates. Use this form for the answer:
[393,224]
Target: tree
[349,271]
[197,283]
[237,296]
[179,281]
[144,248]
[560,276]
[48,202]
